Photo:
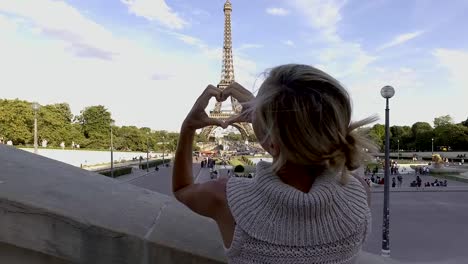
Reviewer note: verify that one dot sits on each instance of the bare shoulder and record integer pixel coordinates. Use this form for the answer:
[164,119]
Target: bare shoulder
[206,199]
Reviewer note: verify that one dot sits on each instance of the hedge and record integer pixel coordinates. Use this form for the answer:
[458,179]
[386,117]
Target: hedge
[153,163]
[247,161]
[117,172]
[235,162]
[239,168]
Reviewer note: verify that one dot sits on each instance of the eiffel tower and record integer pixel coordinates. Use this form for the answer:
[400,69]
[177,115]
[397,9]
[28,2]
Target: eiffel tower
[227,77]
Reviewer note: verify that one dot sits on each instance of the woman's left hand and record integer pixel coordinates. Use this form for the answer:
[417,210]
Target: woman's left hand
[197,118]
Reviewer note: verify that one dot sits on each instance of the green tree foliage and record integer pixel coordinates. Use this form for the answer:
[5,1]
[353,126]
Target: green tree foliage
[422,135]
[419,136]
[233,137]
[451,135]
[465,123]
[129,138]
[377,133]
[16,121]
[91,129]
[95,124]
[443,121]
[54,124]
[401,137]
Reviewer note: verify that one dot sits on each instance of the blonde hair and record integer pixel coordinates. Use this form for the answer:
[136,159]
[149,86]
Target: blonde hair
[307,114]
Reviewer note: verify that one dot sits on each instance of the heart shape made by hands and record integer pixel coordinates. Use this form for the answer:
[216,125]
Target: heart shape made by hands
[225,123]
[198,116]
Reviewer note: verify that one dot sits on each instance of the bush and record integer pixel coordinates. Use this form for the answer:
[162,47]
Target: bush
[153,163]
[235,162]
[117,172]
[247,161]
[239,169]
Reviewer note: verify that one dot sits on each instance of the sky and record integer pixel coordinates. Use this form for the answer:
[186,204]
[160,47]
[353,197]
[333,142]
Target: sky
[147,61]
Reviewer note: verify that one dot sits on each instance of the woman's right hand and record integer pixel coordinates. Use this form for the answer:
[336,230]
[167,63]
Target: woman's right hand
[244,97]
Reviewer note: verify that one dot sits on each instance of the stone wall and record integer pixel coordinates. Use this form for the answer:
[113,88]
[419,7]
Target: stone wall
[54,213]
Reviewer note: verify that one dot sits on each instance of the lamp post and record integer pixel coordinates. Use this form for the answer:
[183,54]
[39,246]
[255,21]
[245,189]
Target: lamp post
[164,147]
[112,148]
[35,107]
[398,146]
[387,92]
[147,151]
[432,139]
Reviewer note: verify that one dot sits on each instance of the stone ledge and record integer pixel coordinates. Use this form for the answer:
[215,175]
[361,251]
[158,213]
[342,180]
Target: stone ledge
[79,216]
[51,212]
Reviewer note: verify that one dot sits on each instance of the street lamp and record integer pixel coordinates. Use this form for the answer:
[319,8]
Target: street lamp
[147,151]
[387,92]
[398,146]
[35,107]
[432,139]
[164,147]
[112,148]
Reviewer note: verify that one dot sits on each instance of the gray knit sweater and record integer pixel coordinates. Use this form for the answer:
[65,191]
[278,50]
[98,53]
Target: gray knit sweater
[276,223]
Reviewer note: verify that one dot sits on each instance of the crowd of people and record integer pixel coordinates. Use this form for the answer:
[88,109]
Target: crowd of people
[397,180]
[435,183]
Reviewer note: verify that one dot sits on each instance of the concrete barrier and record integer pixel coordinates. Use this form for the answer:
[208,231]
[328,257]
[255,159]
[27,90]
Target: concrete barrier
[54,213]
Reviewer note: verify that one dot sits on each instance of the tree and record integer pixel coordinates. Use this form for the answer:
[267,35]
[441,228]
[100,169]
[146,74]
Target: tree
[130,138]
[454,136]
[443,120]
[95,124]
[422,135]
[54,124]
[403,135]
[465,123]
[233,137]
[377,134]
[16,121]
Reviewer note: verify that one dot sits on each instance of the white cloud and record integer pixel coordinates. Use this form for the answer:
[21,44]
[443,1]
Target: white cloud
[451,92]
[406,70]
[443,86]
[456,63]
[277,11]
[41,61]
[245,70]
[187,39]
[50,52]
[344,58]
[248,46]
[323,15]
[156,10]
[289,43]
[83,36]
[400,39]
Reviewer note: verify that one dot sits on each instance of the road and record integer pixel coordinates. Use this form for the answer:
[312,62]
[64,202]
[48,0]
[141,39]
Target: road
[425,226]
[161,181]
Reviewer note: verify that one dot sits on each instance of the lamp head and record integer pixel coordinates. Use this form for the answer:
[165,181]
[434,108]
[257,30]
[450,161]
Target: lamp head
[35,106]
[112,123]
[387,92]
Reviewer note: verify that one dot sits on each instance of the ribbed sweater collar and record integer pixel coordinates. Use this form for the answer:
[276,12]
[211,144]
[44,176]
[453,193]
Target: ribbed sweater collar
[270,210]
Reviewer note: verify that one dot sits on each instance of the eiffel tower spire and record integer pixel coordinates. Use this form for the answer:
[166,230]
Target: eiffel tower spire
[227,72]
[227,77]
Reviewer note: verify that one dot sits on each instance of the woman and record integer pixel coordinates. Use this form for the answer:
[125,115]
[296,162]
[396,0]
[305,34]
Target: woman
[304,207]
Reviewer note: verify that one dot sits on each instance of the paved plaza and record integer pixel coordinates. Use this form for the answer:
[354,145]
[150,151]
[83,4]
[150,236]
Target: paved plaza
[426,225]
